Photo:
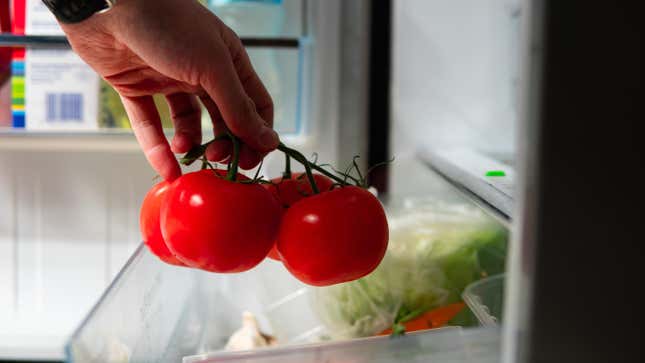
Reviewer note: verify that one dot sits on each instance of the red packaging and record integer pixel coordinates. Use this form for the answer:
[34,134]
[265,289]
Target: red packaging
[18,25]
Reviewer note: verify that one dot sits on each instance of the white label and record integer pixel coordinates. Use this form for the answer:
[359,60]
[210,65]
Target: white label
[61,91]
[39,20]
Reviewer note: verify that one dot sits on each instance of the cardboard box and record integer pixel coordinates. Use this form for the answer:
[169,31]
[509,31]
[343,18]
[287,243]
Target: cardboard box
[52,89]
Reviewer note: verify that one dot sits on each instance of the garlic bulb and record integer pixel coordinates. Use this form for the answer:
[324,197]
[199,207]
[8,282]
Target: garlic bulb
[249,335]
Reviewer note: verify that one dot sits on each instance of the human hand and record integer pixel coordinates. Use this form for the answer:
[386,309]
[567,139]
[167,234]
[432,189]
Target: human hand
[180,49]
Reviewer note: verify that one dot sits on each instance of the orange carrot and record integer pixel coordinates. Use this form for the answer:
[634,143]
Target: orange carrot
[432,319]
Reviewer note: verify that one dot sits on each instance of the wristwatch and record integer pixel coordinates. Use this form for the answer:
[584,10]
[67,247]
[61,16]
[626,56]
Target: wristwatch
[75,11]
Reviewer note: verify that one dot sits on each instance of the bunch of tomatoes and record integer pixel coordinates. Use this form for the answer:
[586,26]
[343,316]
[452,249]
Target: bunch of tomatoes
[323,229]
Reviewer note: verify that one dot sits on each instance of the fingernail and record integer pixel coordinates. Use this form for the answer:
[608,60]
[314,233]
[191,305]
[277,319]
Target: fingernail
[181,143]
[269,138]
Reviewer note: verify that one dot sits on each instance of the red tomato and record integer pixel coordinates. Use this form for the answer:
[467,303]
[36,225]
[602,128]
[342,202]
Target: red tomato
[289,191]
[149,224]
[333,237]
[218,225]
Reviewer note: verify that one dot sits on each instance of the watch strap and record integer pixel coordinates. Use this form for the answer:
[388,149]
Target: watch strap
[75,11]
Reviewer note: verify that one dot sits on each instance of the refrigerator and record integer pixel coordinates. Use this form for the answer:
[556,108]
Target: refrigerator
[521,114]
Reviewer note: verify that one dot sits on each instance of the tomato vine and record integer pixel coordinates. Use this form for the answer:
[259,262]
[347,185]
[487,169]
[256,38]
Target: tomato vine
[340,178]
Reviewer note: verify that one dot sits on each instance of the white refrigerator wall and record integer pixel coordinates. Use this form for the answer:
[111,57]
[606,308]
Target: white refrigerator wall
[68,222]
[454,77]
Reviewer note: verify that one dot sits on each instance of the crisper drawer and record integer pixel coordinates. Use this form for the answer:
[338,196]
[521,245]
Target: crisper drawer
[159,313]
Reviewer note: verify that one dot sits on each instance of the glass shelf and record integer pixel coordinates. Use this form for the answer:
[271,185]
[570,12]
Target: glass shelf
[92,140]
[45,41]
[121,140]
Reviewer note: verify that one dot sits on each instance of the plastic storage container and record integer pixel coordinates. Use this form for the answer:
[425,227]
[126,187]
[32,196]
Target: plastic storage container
[485,298]
[155,312]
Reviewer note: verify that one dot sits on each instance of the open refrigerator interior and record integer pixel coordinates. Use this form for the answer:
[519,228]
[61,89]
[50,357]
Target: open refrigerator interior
[446,248]
[469,81]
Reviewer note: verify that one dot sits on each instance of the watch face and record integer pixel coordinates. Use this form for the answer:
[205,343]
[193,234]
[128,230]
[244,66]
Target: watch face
[74,11]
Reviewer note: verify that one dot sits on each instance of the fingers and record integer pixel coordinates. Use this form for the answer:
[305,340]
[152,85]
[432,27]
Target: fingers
[221,150]
[146,125]
[249,158]
[238,108]
[218,150]
[186,117]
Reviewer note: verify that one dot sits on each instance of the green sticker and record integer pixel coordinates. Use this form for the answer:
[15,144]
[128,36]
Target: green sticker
[495,173]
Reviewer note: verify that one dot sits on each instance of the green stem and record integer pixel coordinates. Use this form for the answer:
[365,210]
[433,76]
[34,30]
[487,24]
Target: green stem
[287,167]
[199,150]
[302,160]
[235,158]
[358,171]
[232,167]
[257,172]
[327,173]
